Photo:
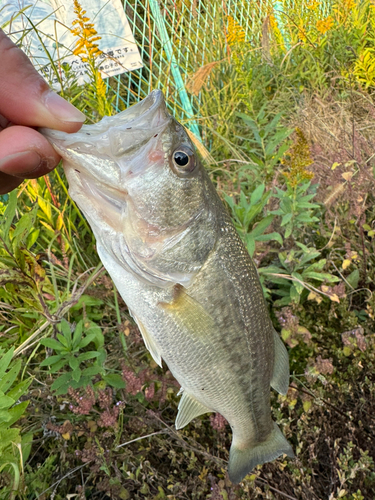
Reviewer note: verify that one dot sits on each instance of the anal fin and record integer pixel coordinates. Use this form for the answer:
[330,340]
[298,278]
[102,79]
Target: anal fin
[280,377]
[188,409]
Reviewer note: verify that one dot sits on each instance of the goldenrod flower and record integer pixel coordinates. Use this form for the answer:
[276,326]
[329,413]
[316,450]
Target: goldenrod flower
[297,159]
[236,33]
[86,34]
[273,22]
[324,25]
[313,5]
[348,4]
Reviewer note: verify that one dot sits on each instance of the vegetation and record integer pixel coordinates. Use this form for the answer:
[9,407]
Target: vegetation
[84,410]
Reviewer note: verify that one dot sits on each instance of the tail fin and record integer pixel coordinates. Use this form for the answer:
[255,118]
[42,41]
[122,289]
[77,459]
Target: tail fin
[241,462]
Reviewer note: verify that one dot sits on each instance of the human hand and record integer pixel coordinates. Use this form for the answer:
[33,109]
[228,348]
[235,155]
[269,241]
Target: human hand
[26,101]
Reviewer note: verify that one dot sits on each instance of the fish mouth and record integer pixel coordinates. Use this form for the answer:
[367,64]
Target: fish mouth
[117,139]
[149,113]
[99,158]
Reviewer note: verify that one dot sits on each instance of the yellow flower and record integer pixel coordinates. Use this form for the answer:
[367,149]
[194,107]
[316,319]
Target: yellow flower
[236,33]
[86,34]
[297,159]
[301,31]
[273,22]
[349,4]
[100,86]
[324,25]
[313,5]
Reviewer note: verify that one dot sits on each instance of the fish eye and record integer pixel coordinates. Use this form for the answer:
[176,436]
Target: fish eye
[180,158]
[183,161]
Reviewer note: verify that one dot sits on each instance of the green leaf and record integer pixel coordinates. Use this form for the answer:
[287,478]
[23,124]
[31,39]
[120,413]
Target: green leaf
[9,437]
[51,360]
[286,218]
[298,286]
[32,238]
[58,365]
[259,228]
[272,124]
[16,412]
[66,330]
[7,380]
[5,361]
[278,138]
[77,334]
[88,301]
[99,337]
[288,231]
[92,370]
[285,301]
[114,380]
[6,402]
[26,443]
[20,389]
[73,363]
[313,275]
[307,218]
[307,205]
[86,340]
[23,226]
[230,201]
[257,194]
[294,295]
[310,255]
[53,344]
[253,126]
[88,355]
[353,278]
[76,374]
[7,218]
[270,237]
[64,341]
[271,269]
[317,266]
[63,379]
[4,418]
[250,244]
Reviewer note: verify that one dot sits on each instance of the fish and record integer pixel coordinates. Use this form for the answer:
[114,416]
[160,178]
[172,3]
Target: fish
[169,244]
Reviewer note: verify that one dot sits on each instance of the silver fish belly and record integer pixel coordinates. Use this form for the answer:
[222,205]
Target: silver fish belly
[175,257]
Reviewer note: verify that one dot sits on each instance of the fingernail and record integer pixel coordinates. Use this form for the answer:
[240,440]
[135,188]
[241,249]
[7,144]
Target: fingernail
[20,164]
[62,109]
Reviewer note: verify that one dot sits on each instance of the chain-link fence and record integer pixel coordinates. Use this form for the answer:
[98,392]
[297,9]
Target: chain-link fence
[177,37]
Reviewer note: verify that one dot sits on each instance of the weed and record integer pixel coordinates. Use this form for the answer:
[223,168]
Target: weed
[292,100]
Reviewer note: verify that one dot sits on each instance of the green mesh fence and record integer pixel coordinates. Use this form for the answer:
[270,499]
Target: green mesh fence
[176,37]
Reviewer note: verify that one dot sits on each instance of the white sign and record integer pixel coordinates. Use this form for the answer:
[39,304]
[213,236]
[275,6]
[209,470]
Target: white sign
[43,29]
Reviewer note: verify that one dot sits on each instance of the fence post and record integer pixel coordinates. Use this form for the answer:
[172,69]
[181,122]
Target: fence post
[167,46]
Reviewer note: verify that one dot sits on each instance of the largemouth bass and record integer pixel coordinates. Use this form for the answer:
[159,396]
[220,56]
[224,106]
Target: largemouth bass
[171,249]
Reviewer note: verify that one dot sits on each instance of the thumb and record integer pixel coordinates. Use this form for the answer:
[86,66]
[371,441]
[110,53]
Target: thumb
[26,99]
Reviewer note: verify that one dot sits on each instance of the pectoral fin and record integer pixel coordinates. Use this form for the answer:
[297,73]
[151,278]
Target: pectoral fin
[188,313]
[149,342]
[188,409]
[280,377]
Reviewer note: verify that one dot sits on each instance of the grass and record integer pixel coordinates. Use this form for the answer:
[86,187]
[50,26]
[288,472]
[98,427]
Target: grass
[289,122]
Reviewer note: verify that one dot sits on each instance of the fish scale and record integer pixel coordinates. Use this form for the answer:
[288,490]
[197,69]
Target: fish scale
[175,257]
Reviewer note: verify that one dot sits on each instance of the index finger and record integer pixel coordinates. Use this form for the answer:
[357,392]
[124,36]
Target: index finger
[26,99]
